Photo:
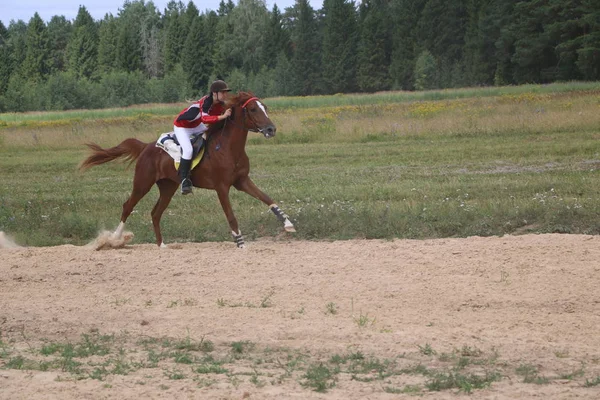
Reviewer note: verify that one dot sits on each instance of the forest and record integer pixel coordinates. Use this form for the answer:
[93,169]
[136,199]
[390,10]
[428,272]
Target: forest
[146,55]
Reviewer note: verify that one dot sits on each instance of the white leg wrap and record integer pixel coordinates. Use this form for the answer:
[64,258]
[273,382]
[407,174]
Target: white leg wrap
[239,239]
[117,234]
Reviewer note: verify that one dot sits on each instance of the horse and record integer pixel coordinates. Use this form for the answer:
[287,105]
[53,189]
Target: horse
[224,164]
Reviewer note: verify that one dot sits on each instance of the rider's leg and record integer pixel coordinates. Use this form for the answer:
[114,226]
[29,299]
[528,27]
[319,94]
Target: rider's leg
[183,137]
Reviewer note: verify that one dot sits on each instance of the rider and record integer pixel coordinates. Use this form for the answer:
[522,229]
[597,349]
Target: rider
[192,120]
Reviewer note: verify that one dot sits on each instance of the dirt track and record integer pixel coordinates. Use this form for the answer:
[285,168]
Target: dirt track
[526,308]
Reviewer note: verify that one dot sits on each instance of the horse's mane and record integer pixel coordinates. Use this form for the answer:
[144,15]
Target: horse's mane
[233,101]
[238,99]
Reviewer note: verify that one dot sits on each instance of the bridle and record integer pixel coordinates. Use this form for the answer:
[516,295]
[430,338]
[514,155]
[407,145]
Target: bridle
[256,129]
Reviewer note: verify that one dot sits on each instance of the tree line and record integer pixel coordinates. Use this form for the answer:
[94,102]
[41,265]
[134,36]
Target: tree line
[145,55]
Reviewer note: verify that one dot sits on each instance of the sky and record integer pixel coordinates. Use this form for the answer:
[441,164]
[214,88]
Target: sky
[24,9]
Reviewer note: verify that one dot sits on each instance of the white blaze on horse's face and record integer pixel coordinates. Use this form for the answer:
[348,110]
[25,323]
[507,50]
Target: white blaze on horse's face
[262,108]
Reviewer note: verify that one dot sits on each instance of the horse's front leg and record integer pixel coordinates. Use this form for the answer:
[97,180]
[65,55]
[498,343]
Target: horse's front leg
[223,193]
[246,185]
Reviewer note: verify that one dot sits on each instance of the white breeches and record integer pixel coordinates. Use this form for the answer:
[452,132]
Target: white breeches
[183,137]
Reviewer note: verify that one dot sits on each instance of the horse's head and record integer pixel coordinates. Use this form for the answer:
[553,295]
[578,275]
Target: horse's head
[253,112]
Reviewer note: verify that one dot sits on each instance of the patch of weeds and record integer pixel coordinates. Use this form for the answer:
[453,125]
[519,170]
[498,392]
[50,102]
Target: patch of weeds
[370,365]
[173,303]
[174,374]
[467,351]
[257,382]
[572,375]
[530,374]
[50,348]
[205,346]
[107,386]
[427,350]
[291,364]
[99,373]
[221,302]
[561,353]
[204,382]
[266,302]
[463,362]
[154,358]
[331,308]
[190,302]
[93,345]
[363,320]
[592,383]
[210,366]
[120,302]
[319,378]
[418,369]
[337,359]
[163,387]
[411,389]
[239,348]
[182,358]
[464,383]
[121,367]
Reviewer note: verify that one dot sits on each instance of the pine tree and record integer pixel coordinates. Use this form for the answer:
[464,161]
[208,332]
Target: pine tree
[59,33]
[276,39]
[246,42]
[150,39]
[374,48]
[173,35]
[588,56]
[306,50]
[107,46]
[196,59]
[405,15]
[482,32]
[441,30]
[534,57]
[339,46]
[17,34]
[5,64]
[503,14]
[34,67]
[83,46]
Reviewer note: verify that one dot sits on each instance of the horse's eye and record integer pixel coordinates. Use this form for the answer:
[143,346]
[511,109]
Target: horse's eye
[253,110]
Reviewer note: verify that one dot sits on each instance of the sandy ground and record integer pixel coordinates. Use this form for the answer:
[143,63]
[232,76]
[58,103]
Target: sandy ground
[507,305]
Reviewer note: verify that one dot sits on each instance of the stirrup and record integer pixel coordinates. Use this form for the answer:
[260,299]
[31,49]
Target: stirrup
[186,186]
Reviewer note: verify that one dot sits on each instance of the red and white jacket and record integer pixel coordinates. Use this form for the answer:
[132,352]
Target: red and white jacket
[202,111]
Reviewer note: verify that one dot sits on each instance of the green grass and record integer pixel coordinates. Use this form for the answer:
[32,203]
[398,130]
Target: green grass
[277,104]
[508,164]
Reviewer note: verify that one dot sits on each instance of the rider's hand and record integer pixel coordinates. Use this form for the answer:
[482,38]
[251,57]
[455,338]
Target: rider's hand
[227,113]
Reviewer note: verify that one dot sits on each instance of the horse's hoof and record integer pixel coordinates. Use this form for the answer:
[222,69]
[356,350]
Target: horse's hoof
[288,226]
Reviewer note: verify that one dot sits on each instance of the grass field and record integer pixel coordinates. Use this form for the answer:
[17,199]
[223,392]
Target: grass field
[389,165]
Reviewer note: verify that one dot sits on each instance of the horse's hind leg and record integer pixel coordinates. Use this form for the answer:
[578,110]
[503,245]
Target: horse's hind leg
[167,189]
[140,188]
[246,185]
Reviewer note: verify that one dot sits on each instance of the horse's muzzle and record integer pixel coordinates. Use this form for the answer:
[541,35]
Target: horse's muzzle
[269,131]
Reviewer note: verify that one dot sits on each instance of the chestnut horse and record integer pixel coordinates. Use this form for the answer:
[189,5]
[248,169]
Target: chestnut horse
[224,164]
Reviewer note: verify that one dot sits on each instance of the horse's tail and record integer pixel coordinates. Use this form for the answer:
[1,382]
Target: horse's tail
[129,149]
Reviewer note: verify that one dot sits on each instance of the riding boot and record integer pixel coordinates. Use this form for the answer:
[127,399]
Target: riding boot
[184,176]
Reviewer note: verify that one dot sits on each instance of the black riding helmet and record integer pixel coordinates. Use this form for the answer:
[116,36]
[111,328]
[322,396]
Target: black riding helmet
[219,86]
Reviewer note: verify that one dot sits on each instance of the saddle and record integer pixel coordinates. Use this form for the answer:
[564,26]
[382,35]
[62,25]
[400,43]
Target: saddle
[168,142]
